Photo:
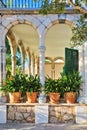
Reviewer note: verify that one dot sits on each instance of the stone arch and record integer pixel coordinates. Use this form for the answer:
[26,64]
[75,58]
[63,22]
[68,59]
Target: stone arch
[11,37]
[56,58]
[21,46]
[9,22]
[13,48]
[28,52]
[59,19]
[12,42]
[49,58]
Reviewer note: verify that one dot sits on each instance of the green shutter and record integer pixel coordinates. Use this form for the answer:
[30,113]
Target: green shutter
[71,60]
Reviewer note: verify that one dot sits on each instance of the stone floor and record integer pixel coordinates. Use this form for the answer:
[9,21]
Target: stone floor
[26,126]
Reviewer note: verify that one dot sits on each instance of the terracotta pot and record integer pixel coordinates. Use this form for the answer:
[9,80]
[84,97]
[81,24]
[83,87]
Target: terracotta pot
[14,97]
[54,97]
[70,97]
[31,97]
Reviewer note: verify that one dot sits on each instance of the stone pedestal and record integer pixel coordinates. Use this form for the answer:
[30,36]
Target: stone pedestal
[41,114]
[81,114]
[3,114]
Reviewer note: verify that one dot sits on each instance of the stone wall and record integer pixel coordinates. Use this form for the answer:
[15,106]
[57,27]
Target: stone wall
[21,113]
[61,114]
[26,113]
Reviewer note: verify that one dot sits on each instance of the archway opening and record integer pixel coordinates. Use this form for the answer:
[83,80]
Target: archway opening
[57,39]
[22,36]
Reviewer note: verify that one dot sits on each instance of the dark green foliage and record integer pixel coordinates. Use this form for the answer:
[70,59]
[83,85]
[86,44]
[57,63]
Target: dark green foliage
[53,85]
[33,84]
[67,83]
[14,83]
[71,81]
[79,32]
[56,6]
[51,7]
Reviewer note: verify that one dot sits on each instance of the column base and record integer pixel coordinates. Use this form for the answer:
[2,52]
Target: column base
[3,118]
[82,99]
[41,114]
[42,98]
[3,98]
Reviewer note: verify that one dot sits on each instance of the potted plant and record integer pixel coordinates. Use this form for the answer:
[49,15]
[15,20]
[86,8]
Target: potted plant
[13,85]
[32,88]
[71,83]
[53,88]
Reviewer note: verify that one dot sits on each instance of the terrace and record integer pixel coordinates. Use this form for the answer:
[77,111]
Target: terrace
[25,29]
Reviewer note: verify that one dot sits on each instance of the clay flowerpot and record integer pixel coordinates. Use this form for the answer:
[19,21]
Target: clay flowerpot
[14,97]
[31,97]
[70,97]
[54,97]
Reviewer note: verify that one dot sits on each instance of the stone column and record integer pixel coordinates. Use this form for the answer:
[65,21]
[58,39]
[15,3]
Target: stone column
[29,61]
[13,58]
[42,63]
[85,73]
[2,64]
[32,65]
[2,71]
[23,63]
[36,65]
[81,70]
[13,65]
[29,67]
[29,64]
[53,70]
[42,98]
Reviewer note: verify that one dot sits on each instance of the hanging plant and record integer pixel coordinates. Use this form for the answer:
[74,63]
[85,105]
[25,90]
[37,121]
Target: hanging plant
[79,31]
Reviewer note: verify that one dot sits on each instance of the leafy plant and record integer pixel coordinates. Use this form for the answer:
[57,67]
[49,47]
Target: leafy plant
[14,83]
[33,84]
[52,85]
[71,81]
